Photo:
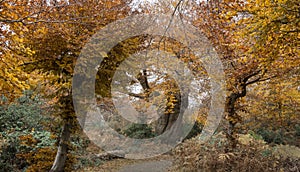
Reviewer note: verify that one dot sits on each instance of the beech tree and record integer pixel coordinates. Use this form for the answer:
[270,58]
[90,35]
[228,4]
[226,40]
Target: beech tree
[56,33]
[240,32]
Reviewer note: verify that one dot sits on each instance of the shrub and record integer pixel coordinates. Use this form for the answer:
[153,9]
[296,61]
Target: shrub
[8,159]
[196,130]
[23,114]
[254,155]
[22,130]
[139,131]
[42,160]
[271,136]
[297,129]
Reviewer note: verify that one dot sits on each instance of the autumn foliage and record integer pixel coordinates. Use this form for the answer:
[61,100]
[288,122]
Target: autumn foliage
[258,44]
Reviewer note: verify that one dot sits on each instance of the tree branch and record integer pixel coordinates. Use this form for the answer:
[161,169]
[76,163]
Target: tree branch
[173,14]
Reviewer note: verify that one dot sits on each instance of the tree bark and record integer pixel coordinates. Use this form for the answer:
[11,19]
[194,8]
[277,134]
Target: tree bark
[61,155]
[172,123]
[166,120]
[232,117]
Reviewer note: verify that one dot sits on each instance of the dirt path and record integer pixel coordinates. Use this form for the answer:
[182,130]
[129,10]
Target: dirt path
[150,166]
[157,164]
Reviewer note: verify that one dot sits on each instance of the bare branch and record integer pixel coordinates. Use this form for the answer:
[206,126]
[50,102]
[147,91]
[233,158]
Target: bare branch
[169,25]
[259,79]
[136,95]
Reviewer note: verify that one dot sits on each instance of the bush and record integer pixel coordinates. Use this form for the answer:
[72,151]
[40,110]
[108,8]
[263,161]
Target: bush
[23,114]
[297,129]
[22,130]
[139,131]
[253,155]
[196,130]
[271,136]
[8,158]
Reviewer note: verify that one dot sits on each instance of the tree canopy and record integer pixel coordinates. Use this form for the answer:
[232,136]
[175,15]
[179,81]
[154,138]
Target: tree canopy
[257,42]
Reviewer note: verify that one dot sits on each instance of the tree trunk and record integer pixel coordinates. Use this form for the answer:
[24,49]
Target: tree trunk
[232,117]
[177,124]
[167,119]
[61,155]
[172,123]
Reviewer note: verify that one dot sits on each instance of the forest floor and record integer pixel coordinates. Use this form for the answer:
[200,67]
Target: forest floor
[156,164]
[166,162]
